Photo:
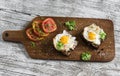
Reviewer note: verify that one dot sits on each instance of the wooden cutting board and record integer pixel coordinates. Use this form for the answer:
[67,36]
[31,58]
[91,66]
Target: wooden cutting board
[44,49]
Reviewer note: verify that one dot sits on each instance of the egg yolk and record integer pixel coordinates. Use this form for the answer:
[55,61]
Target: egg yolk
[64,39]
[91,36]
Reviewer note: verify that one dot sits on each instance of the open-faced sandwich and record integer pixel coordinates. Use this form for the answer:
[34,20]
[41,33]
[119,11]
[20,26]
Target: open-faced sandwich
[93,35]
[64,43]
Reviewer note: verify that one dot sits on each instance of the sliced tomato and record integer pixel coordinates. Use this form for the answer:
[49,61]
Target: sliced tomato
[49,25]
[31,35]
[36,25]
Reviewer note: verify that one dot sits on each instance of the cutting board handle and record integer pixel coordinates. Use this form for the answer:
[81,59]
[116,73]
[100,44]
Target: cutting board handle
[14,36]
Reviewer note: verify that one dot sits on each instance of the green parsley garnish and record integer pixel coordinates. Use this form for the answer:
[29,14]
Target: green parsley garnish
[102,35]
[86,56]
[70,25]
[59,45]
[33,44]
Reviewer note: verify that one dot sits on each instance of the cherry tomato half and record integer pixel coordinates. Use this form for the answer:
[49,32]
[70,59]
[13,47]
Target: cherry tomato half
[49,25]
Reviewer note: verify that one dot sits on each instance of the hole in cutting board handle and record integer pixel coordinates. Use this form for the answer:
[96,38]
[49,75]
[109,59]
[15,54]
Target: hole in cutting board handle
[6,34]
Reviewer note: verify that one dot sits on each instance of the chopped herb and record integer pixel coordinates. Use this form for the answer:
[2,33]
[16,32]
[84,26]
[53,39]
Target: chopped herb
[86,56]
[70,25]
[59,45]
[42,18]
[33,44]
[40,31]
[58,22]
[102,35]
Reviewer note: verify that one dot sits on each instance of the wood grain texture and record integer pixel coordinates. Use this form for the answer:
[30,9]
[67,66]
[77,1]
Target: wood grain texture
[16,14]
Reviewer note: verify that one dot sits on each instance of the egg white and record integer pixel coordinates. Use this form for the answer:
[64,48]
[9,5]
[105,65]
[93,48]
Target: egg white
[71,41]
[94,29]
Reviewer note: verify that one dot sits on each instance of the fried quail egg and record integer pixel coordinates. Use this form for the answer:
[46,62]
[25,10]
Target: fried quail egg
[64,41]
[92,33]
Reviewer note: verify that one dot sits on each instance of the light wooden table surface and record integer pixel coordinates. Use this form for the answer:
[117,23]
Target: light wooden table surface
[15,14]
